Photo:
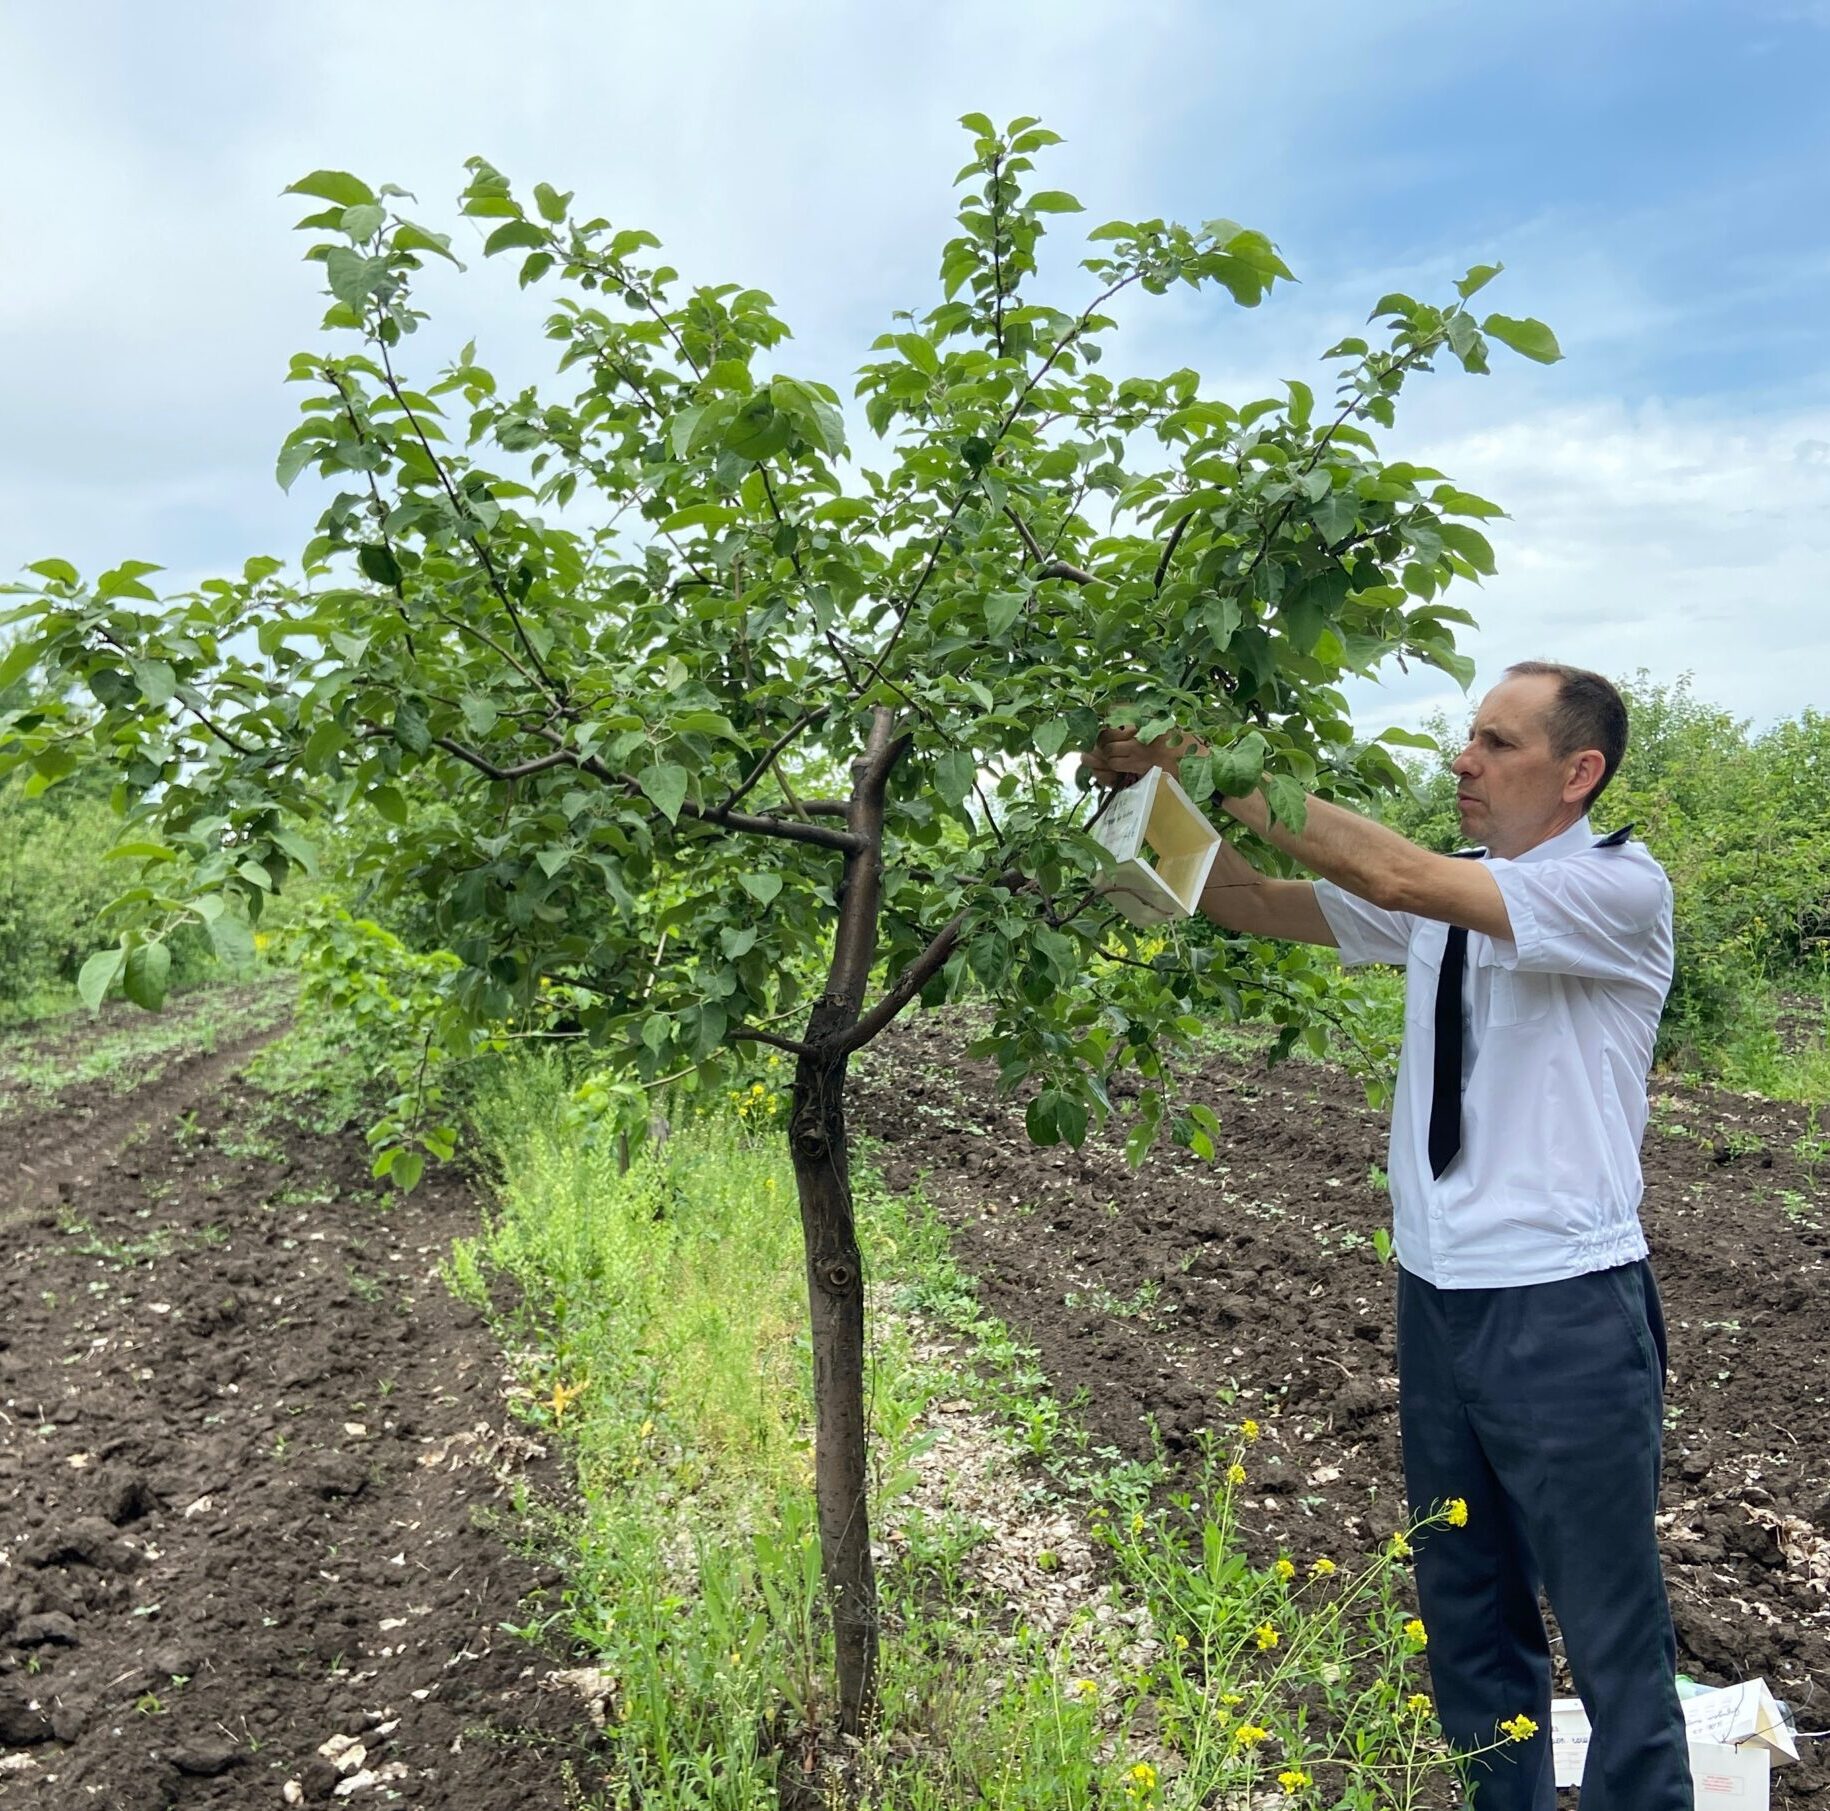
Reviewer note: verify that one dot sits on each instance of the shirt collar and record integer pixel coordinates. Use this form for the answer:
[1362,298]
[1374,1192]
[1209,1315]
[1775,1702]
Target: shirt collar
[1566,842]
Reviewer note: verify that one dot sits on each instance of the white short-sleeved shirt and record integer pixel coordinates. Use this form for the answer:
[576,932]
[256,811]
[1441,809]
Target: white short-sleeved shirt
[1559,1025]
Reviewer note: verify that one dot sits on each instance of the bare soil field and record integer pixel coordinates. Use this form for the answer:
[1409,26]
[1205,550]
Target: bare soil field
[1189,1295]
[253,1457]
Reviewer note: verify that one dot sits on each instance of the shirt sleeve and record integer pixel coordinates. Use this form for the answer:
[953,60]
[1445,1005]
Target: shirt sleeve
[1600,914]
[1364,931]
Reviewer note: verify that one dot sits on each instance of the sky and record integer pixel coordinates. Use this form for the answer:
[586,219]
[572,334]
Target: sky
[1654,176]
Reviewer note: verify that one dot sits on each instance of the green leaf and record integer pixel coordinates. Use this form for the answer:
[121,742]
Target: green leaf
[1408,738]
[1471,544]
[232,939]
[156,680]
[18,660]
[149,970]
[1531,339]
[363,221]
[333,185]
[1197,777]
[818,418]
[388,801]
[1039,1118]
[954,772]
[1054,201]
[352,277]
[758,430]
[378,562]
[296,848]
[411,238]
[1002,608]
[98,974]
[513,233]
[1335,515]
[1477,278]
[60,570]
[665,784]
[1238,767]
[406,1169]
[978,125]
[1289,804]
[479,713]
[139,852]
[550,202]
[293,459]
[763,888]
[701,515]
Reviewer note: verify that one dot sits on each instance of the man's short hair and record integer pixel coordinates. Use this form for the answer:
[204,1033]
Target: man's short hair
[1589,713]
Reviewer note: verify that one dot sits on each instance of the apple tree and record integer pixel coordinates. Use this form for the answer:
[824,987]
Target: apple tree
[572,659]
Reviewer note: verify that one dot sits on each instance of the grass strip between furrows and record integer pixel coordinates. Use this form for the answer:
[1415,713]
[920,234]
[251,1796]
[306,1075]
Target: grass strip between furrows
[1059,1629]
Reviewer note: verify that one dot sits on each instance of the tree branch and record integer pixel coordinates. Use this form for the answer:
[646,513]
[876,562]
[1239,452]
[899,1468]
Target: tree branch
[1079,327]
[750,1034]
[1050,568]
[1169,551]
[552,689]
[775,748]
[918,972]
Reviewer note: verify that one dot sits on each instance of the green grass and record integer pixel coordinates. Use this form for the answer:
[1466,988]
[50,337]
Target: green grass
[657,1323]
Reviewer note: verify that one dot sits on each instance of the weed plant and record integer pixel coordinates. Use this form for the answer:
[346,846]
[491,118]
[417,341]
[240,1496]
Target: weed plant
[657,1313]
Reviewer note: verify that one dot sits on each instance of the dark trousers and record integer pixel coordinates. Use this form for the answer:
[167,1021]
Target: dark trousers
[1541,1406]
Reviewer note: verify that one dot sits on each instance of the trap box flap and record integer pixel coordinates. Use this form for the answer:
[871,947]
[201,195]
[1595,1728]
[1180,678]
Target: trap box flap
[1155,818]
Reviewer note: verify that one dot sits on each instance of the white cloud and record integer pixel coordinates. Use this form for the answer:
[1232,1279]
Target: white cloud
[1674,539]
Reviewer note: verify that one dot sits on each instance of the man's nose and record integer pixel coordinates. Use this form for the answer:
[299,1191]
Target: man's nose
[1463,764]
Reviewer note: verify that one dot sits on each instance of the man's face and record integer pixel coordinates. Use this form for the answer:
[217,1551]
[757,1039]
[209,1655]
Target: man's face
[1512,792]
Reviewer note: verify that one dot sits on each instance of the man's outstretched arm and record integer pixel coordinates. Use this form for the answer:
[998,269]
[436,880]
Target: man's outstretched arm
[1358,855]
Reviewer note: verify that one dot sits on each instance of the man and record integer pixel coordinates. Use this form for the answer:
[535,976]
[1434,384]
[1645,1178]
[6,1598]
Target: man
[1531,1351]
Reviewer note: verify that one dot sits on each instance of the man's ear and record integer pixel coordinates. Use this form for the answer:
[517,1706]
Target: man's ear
[1584,774]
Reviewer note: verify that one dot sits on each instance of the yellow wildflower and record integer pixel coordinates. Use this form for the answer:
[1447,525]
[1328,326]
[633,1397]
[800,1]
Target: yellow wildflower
[1249,1735]
[1414,1631]
[1140,1779]
[1249,1428]
[1455,1512]
[1266,1634]
[1293,1780]
[1181,1644]
[1284,1570]
[1519,1729]
[1324,1567]
[1085,1688]
[1235,1474]
[1400,1547]
[1417,1704]
[1231,1700]
[1137,1524]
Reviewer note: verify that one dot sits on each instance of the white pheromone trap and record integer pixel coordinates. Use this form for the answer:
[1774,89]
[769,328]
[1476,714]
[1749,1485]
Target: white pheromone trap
[1157,816]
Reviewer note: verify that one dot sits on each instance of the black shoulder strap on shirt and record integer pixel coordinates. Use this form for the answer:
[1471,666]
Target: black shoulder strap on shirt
[1617,838]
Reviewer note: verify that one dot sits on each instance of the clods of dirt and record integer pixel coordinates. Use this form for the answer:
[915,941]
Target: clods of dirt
[1185,1296]
[254,1475]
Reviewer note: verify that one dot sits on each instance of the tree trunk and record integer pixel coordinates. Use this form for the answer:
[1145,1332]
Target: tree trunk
[835,1302]
[835,1275]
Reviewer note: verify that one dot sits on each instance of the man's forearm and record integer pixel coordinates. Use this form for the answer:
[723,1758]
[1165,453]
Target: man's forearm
[1238,898]
[1352,851]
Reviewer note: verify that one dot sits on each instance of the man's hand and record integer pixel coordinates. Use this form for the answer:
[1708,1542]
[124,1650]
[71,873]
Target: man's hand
[1117,758]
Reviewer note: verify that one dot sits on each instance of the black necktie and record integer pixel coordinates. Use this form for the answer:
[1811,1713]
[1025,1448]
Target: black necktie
[1445,1085]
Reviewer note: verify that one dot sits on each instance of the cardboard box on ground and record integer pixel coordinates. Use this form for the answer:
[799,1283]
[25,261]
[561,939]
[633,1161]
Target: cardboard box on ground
[1154,814]
[1738,1734]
